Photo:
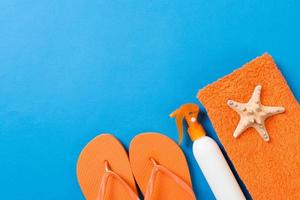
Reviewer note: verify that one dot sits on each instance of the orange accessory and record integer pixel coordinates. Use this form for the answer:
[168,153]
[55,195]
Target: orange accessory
[160,168]
[103,170]
[269,170]
[188,112]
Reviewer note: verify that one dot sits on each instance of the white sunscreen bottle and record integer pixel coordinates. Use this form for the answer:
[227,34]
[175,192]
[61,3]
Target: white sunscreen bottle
[208,155]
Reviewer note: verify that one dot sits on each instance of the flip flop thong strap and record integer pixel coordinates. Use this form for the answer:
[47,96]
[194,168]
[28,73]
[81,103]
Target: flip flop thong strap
[103,185]
[159,168]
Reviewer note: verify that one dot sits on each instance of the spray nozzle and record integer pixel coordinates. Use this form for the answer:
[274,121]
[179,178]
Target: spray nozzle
[188,112]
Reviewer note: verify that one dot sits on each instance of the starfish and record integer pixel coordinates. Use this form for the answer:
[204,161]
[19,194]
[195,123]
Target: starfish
[253,114]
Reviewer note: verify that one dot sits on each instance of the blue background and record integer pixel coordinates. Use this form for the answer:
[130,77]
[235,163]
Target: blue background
[72,69]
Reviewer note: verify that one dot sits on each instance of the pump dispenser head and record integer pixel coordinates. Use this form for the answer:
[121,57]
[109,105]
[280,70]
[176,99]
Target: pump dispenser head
[188,112]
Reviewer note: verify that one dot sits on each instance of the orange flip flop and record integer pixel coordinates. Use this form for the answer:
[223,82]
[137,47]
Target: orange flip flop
[103,170]
[160,168]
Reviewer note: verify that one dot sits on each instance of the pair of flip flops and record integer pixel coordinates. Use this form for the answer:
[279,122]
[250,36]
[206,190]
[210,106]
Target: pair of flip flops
[155,162]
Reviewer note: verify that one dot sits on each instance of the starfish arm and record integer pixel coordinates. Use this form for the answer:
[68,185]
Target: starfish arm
[241,127]
[238,107]
[256,94]
[270,110]
[261,129]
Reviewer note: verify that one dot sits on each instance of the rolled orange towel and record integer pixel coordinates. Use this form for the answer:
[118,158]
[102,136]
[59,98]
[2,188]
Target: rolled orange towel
[270,170]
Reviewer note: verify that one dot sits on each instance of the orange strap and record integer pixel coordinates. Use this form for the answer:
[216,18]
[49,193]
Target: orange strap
[104,180]
[159,168]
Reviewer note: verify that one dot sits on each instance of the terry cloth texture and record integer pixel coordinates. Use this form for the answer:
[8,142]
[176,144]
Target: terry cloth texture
[270,170]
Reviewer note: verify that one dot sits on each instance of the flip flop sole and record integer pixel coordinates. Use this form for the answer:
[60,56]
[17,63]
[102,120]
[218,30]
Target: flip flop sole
[166,153]
[90,168]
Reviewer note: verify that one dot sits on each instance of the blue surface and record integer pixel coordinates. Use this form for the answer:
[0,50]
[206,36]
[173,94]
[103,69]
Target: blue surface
[70,70]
